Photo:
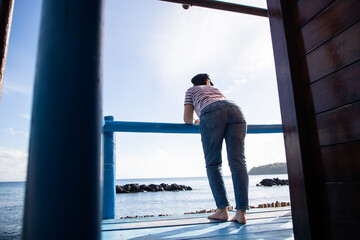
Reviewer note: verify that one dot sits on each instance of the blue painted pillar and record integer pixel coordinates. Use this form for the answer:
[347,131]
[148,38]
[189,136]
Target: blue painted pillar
[109,192]
[63,195]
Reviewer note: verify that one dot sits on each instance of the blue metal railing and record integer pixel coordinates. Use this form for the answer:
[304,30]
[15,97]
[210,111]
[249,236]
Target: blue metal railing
[112,126]
[149,127]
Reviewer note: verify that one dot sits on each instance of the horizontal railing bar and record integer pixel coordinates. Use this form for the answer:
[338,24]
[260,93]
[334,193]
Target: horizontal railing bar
[150,127]
[226,6]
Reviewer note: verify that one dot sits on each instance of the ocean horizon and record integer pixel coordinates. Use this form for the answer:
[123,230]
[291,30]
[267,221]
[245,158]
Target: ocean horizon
[146,203]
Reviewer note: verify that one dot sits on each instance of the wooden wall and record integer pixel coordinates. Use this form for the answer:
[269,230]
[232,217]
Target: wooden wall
[320,103]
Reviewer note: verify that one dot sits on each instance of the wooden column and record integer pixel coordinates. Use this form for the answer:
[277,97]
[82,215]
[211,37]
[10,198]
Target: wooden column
[292,114]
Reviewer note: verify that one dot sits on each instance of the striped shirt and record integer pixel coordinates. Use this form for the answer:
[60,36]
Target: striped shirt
[201,96]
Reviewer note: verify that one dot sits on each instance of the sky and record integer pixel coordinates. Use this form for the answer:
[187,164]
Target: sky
[151,50]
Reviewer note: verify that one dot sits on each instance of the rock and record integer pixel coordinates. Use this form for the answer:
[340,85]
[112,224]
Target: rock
[145,188]
[174,187]
[135,188]
[273,182]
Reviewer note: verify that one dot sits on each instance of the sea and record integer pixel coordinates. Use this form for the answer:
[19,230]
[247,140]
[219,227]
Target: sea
[146,203]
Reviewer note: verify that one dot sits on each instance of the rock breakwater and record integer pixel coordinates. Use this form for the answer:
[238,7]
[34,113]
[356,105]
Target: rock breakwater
[135,188]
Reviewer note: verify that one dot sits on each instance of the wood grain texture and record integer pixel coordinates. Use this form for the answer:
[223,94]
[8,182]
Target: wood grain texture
[332,20]
[340,198]
[340,125]
[335,54]
[337,229]
[304,10]
[338,163]
[338,89]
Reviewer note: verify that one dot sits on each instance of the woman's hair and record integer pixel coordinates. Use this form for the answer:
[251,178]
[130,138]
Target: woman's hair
[200,79]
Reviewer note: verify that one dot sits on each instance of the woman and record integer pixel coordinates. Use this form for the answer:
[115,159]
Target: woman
[220,119]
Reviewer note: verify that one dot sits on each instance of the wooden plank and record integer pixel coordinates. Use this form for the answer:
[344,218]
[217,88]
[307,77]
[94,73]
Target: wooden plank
[337,53]
[341,198]
[282,227]
[337,126]
[338,89]
[339,229]
[285,234]
[155,224]
[189,221]
[337,163]
[327,24]
[304,10]
[193,216]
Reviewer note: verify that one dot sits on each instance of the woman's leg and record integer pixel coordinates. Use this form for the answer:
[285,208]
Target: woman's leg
[212,128]
[234,137]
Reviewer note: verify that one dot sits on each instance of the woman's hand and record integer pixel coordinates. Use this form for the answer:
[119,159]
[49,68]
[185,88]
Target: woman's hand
[197,121]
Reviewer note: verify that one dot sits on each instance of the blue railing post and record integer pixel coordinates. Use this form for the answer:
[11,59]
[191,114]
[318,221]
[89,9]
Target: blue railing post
[109,173]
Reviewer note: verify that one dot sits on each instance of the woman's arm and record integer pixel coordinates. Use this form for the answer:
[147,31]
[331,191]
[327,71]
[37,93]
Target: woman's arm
[189,114]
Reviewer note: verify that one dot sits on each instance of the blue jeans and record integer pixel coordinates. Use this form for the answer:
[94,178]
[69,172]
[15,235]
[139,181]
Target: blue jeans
[218,121]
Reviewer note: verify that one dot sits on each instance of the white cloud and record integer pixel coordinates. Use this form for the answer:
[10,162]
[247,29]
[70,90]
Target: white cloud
[13,164]
[25,116]
[238,83]
[13,88]
[16,132]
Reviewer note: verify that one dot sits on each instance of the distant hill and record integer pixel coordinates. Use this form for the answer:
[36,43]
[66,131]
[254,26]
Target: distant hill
[274,168]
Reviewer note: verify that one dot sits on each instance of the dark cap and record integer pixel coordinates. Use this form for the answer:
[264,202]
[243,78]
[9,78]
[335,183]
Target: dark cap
[200,79]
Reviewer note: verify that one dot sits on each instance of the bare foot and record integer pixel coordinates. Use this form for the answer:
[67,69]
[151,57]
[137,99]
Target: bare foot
[239,217]
[220,214]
